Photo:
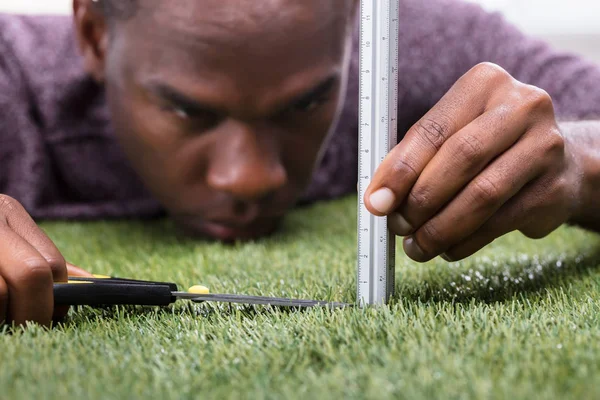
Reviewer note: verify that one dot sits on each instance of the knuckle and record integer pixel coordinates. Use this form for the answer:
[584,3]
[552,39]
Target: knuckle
[56,262]
[431,239]
[35,270]
[555,141]
[468,149]
[490,72]
[7,203]
[537,99]
[419,198]
[485,192]
[435,132]
[401,167]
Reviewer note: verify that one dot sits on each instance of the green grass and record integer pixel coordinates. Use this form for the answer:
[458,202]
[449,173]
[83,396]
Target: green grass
[519,320]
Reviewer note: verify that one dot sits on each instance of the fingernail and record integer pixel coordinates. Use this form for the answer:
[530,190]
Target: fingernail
[447,257]
[383,200]
[413,250]
[399,225]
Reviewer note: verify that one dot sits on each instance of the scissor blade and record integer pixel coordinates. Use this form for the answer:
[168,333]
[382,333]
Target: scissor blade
[260,300]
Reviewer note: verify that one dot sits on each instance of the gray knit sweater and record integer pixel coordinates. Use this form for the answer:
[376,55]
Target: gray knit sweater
[59,158]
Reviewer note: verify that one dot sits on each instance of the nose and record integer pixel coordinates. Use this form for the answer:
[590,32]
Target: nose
[246,163]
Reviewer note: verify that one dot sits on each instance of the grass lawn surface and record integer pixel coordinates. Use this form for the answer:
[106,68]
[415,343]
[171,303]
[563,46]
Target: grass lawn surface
[518,320]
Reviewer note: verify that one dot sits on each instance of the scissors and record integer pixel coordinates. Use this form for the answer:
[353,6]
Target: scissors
[104,290]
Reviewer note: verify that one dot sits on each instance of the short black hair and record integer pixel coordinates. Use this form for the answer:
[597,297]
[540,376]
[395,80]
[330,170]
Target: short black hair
[118,9]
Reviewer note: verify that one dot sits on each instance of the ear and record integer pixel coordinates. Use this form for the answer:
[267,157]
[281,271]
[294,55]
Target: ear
[91,31]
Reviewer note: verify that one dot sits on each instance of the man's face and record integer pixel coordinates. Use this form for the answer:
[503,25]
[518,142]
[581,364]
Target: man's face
[222,106]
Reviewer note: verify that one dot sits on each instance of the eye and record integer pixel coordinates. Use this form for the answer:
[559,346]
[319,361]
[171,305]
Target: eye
[310,104]
[194,120]
[186,115]
[178,112]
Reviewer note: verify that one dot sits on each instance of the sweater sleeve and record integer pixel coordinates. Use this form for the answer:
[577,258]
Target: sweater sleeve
[21,146]
[58,154]
[440,40]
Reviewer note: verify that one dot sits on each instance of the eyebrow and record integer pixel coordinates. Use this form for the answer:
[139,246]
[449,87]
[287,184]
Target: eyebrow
[175,97]
[317,91]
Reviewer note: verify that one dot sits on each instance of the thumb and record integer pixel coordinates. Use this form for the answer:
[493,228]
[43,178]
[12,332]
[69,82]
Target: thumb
[76,271]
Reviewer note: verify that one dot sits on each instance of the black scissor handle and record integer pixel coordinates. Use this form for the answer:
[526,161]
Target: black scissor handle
[111,293]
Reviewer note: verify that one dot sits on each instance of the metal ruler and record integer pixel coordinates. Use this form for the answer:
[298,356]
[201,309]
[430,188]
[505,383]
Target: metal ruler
[377,136]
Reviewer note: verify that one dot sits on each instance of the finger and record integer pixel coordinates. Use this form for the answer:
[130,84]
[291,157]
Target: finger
[28,277]
[3,301]
[479,200]
[460,159]
[399,171]
[76,271]
[499,225]
[517,214]
[23,225]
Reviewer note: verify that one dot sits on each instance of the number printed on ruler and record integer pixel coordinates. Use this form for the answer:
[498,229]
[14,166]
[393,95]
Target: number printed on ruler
[378,112]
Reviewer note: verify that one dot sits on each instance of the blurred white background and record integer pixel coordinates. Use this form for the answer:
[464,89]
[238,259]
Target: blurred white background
[572,25]
[569,24]
[550,17]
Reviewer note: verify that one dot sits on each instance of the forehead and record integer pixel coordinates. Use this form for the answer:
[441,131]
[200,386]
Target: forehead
[260,42]
[247,15]
[235,22]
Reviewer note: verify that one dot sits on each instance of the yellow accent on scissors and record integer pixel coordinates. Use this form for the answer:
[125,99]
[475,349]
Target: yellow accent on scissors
[198,289]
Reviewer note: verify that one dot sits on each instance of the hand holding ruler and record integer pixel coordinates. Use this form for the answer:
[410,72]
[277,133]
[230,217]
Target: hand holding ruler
[378,132]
